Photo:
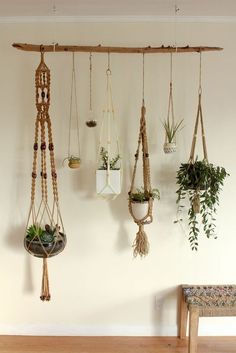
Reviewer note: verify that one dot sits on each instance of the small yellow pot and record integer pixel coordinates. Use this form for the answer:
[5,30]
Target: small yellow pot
[74,163]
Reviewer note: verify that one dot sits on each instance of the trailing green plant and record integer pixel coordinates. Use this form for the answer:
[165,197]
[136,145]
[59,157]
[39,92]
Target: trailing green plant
[36,233]
[200,183]
[140,195]
[113,163]
[171,129]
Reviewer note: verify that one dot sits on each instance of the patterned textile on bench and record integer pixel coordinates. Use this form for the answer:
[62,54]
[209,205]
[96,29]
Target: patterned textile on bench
[211,296]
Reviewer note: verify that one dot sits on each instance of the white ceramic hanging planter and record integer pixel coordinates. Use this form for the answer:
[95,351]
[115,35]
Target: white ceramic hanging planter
[140,209]
[108,182]
[109,167]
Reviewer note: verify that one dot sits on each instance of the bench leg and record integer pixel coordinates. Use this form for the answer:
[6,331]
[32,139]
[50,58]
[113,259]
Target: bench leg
[193,329]
[183,317]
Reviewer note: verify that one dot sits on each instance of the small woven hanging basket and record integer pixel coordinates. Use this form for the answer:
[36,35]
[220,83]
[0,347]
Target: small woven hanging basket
[169,147]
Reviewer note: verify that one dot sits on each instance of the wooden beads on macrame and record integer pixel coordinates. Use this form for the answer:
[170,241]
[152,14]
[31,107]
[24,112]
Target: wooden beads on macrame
[45,236]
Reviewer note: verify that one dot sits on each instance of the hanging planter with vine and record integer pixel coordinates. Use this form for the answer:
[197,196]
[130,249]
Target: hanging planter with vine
[199,182]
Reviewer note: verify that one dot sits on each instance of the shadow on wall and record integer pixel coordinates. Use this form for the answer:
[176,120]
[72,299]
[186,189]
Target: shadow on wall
[162,302]
[119,207]
[83,179]
[28,281]
[120,213]
[15,240]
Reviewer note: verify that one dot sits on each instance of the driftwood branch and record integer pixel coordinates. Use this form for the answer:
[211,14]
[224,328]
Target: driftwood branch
[105,49]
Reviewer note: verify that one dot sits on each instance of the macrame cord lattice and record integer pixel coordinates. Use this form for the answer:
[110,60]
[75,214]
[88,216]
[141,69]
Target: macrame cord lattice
[110,141]
[141,244]
[48,238]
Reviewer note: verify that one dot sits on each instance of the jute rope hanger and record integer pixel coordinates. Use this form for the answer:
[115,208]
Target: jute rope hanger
[199,119]
[51,241]
[141,244]
[90,122]
[170,111]
[73,93]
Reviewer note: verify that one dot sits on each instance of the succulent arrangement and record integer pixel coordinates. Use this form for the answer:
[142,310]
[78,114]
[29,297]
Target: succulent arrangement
[46,236]
[200,182]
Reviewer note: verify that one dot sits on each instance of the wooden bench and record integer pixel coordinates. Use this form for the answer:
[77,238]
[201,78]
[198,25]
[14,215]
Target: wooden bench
[204,300]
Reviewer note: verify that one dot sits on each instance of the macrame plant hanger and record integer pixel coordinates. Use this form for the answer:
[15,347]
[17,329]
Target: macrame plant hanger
[169,124]
[45,236]
[199,120]
[74,161]
[141,244]
[108,173]
[91,122]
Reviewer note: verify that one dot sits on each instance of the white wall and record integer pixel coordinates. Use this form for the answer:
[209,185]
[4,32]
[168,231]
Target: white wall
[96,285]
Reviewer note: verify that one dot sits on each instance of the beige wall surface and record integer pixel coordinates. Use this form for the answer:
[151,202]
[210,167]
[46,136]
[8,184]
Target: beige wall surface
[97,287]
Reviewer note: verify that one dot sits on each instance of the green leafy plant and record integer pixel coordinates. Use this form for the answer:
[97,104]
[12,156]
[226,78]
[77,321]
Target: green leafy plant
[142,196]
[200,182]
[112,163]
[171,129]
[36,233]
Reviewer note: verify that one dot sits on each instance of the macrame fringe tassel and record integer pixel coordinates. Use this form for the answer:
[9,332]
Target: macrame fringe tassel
[141,244]
[45,294]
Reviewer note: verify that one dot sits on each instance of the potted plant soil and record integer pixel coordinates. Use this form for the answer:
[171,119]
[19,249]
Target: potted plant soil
[200,182]
[45,242]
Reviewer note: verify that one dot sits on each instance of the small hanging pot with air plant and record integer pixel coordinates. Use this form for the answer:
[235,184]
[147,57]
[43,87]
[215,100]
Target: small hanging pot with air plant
[199,182]
[73,159]
[170,126]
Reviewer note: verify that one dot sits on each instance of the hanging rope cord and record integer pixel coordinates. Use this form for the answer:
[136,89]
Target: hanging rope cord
[199,119]
[170,112]
[73,92]
[90,82]
[141,244]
